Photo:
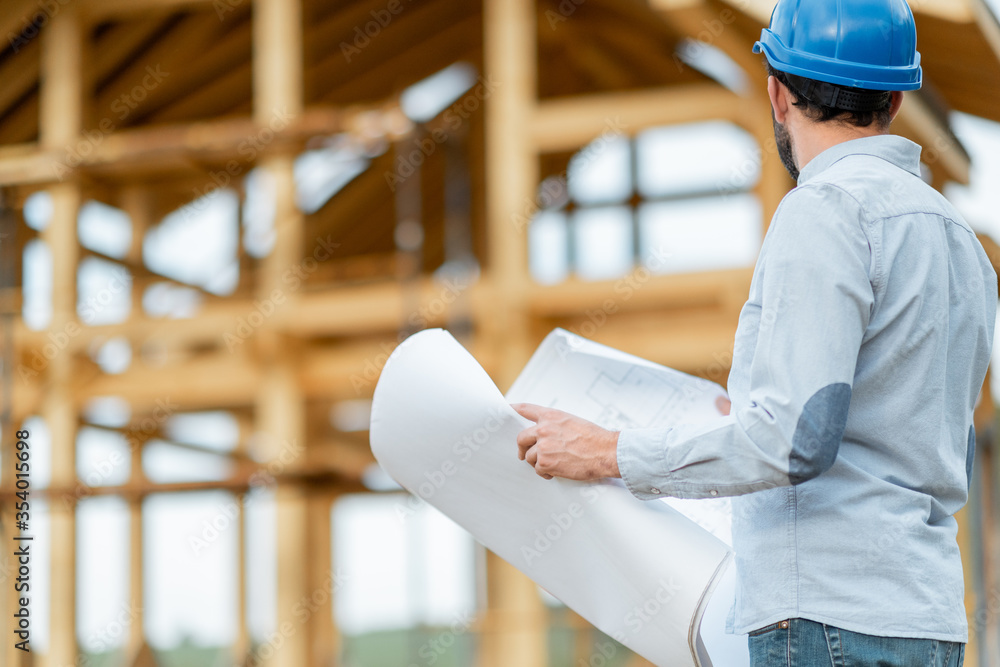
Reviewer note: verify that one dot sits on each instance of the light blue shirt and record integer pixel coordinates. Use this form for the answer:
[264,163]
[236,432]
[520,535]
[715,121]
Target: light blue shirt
[858,360]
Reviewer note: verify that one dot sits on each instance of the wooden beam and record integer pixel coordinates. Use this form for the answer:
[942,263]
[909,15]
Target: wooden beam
[277,59]
[443,46]
[346,458]
[958,11]
[367,310]
[696,341]
[992,250]
[775,181]
[347,371]
[103,10]
[20,73]
[233,324]
[757,9]
[220,381]
[304,481]
[279,406]
[986,18]
[17,16]
[942,151]
[321,582]
[510,57]
[697,21]
[9,602]
[280,422]
[125,151]
[640,291]
[411,30]
[599,65]
[216,97]
[515,622]
[21,124]
[137,593]
[118,43]
[162,72]
[60,123]
[62,75]
[572,122]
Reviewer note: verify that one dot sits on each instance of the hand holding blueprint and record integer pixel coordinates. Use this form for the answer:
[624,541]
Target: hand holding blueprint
[642,572]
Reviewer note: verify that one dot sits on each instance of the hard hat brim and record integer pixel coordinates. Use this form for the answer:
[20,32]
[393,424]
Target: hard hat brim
[839,72]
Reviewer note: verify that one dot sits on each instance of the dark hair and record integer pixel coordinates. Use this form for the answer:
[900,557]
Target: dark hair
[873,106]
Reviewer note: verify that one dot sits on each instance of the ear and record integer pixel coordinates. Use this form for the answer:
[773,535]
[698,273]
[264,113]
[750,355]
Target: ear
[897,102]
[779,96]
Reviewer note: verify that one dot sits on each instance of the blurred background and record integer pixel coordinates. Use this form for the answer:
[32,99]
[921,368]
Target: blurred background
[219,217]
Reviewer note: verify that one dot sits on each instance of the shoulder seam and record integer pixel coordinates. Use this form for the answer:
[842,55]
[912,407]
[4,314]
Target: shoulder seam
[876,275]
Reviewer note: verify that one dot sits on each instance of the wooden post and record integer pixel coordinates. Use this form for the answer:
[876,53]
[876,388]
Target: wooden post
[280,414]
[323,581]
[515,625]
[60,127]
[135,201]
[774,181]
[8,597]
[137,597]
[60,413]
[975,518]
[281,431]
[512,172]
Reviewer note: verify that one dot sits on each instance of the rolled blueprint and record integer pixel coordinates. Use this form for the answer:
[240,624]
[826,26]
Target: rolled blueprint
[641,572]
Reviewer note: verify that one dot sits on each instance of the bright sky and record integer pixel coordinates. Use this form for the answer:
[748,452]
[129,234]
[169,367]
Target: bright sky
[401,567]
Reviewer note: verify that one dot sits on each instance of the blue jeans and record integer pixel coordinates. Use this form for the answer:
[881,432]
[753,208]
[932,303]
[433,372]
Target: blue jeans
[801,643]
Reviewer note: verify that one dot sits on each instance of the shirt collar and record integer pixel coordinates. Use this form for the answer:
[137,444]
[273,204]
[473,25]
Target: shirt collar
[894,149]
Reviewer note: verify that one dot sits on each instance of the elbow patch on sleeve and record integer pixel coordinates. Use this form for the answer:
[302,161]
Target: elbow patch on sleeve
[819,432]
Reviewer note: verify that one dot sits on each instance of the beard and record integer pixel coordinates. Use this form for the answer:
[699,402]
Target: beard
[785,150]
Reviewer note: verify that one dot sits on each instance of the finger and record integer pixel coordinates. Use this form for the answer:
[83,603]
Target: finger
[723,405]
[528,410]
[531,456]
[525,440]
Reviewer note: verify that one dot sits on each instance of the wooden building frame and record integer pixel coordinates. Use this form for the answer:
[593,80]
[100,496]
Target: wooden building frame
[265,75]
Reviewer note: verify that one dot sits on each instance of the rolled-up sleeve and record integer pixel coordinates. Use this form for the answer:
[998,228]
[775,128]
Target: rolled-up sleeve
[814,289]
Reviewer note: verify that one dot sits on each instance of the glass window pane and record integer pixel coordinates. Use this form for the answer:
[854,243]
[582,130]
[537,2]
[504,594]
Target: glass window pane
[602,172]
[603,242]
[36,292]
[103,457]
[164,462]
[197,243]
[104,228]
[104,292]
[700,234]
[190,551]
[548,248]
[261,564]
[699,158]
[401,563]
[104,612]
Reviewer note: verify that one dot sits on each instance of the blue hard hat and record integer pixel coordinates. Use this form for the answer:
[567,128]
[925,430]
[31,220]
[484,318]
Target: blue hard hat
[868,44]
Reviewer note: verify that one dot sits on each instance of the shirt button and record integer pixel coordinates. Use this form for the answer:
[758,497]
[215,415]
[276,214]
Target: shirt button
[654,490]
[714,492]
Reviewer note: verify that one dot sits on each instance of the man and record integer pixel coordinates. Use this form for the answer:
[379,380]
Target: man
[858,361]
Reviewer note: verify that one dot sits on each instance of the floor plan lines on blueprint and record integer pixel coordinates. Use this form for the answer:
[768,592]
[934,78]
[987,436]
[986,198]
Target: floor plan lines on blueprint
[636,399]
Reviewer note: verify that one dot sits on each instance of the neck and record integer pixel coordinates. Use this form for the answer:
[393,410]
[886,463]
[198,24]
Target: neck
[813,138]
